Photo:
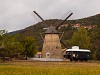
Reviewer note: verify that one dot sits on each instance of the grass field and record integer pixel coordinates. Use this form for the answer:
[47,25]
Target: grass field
[49,68]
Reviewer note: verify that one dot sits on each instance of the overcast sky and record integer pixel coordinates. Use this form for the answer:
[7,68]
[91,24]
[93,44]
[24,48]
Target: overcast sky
[17,14]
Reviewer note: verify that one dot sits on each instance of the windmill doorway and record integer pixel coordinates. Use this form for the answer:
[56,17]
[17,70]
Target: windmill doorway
[47,55]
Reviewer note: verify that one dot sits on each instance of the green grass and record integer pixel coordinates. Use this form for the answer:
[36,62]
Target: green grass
[49,68]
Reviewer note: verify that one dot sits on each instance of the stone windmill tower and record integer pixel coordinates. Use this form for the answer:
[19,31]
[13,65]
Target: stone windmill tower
[52,42]
[52,46]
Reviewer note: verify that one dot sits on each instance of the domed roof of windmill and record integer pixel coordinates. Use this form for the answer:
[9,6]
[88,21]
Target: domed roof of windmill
[51,30]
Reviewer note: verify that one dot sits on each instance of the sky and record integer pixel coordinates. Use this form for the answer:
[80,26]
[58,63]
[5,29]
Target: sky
[18,14]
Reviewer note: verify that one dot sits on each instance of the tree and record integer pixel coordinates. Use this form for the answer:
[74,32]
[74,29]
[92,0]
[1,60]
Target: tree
[81,38]
[2,51]
[11,46]
[96,43]
[30,46]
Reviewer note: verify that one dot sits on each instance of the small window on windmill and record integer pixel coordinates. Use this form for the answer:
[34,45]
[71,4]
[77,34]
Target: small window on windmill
[56,47]
[47,55]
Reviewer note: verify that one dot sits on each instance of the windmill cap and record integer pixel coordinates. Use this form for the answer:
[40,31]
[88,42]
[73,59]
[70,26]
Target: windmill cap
[51,30]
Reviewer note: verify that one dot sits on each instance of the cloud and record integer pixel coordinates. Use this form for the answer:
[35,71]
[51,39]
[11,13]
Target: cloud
[17,14]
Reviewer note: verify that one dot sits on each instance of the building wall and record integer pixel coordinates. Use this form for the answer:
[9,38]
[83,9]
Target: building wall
[52,47]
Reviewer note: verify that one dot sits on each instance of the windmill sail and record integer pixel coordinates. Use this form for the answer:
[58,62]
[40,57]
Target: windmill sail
[38,15]
[64,20]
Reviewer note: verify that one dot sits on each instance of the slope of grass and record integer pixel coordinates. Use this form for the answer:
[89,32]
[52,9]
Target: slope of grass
[49,68]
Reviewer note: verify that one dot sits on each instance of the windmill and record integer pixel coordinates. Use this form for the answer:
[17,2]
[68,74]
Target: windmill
[52,42]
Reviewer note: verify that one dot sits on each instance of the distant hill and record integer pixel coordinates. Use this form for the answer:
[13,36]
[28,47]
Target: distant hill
[40,27]
[92,20]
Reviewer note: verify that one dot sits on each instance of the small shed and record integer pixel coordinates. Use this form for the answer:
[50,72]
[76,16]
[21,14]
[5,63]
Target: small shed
[38,55]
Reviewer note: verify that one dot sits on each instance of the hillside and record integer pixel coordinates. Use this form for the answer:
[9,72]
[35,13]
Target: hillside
[92,20]
[38,28]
